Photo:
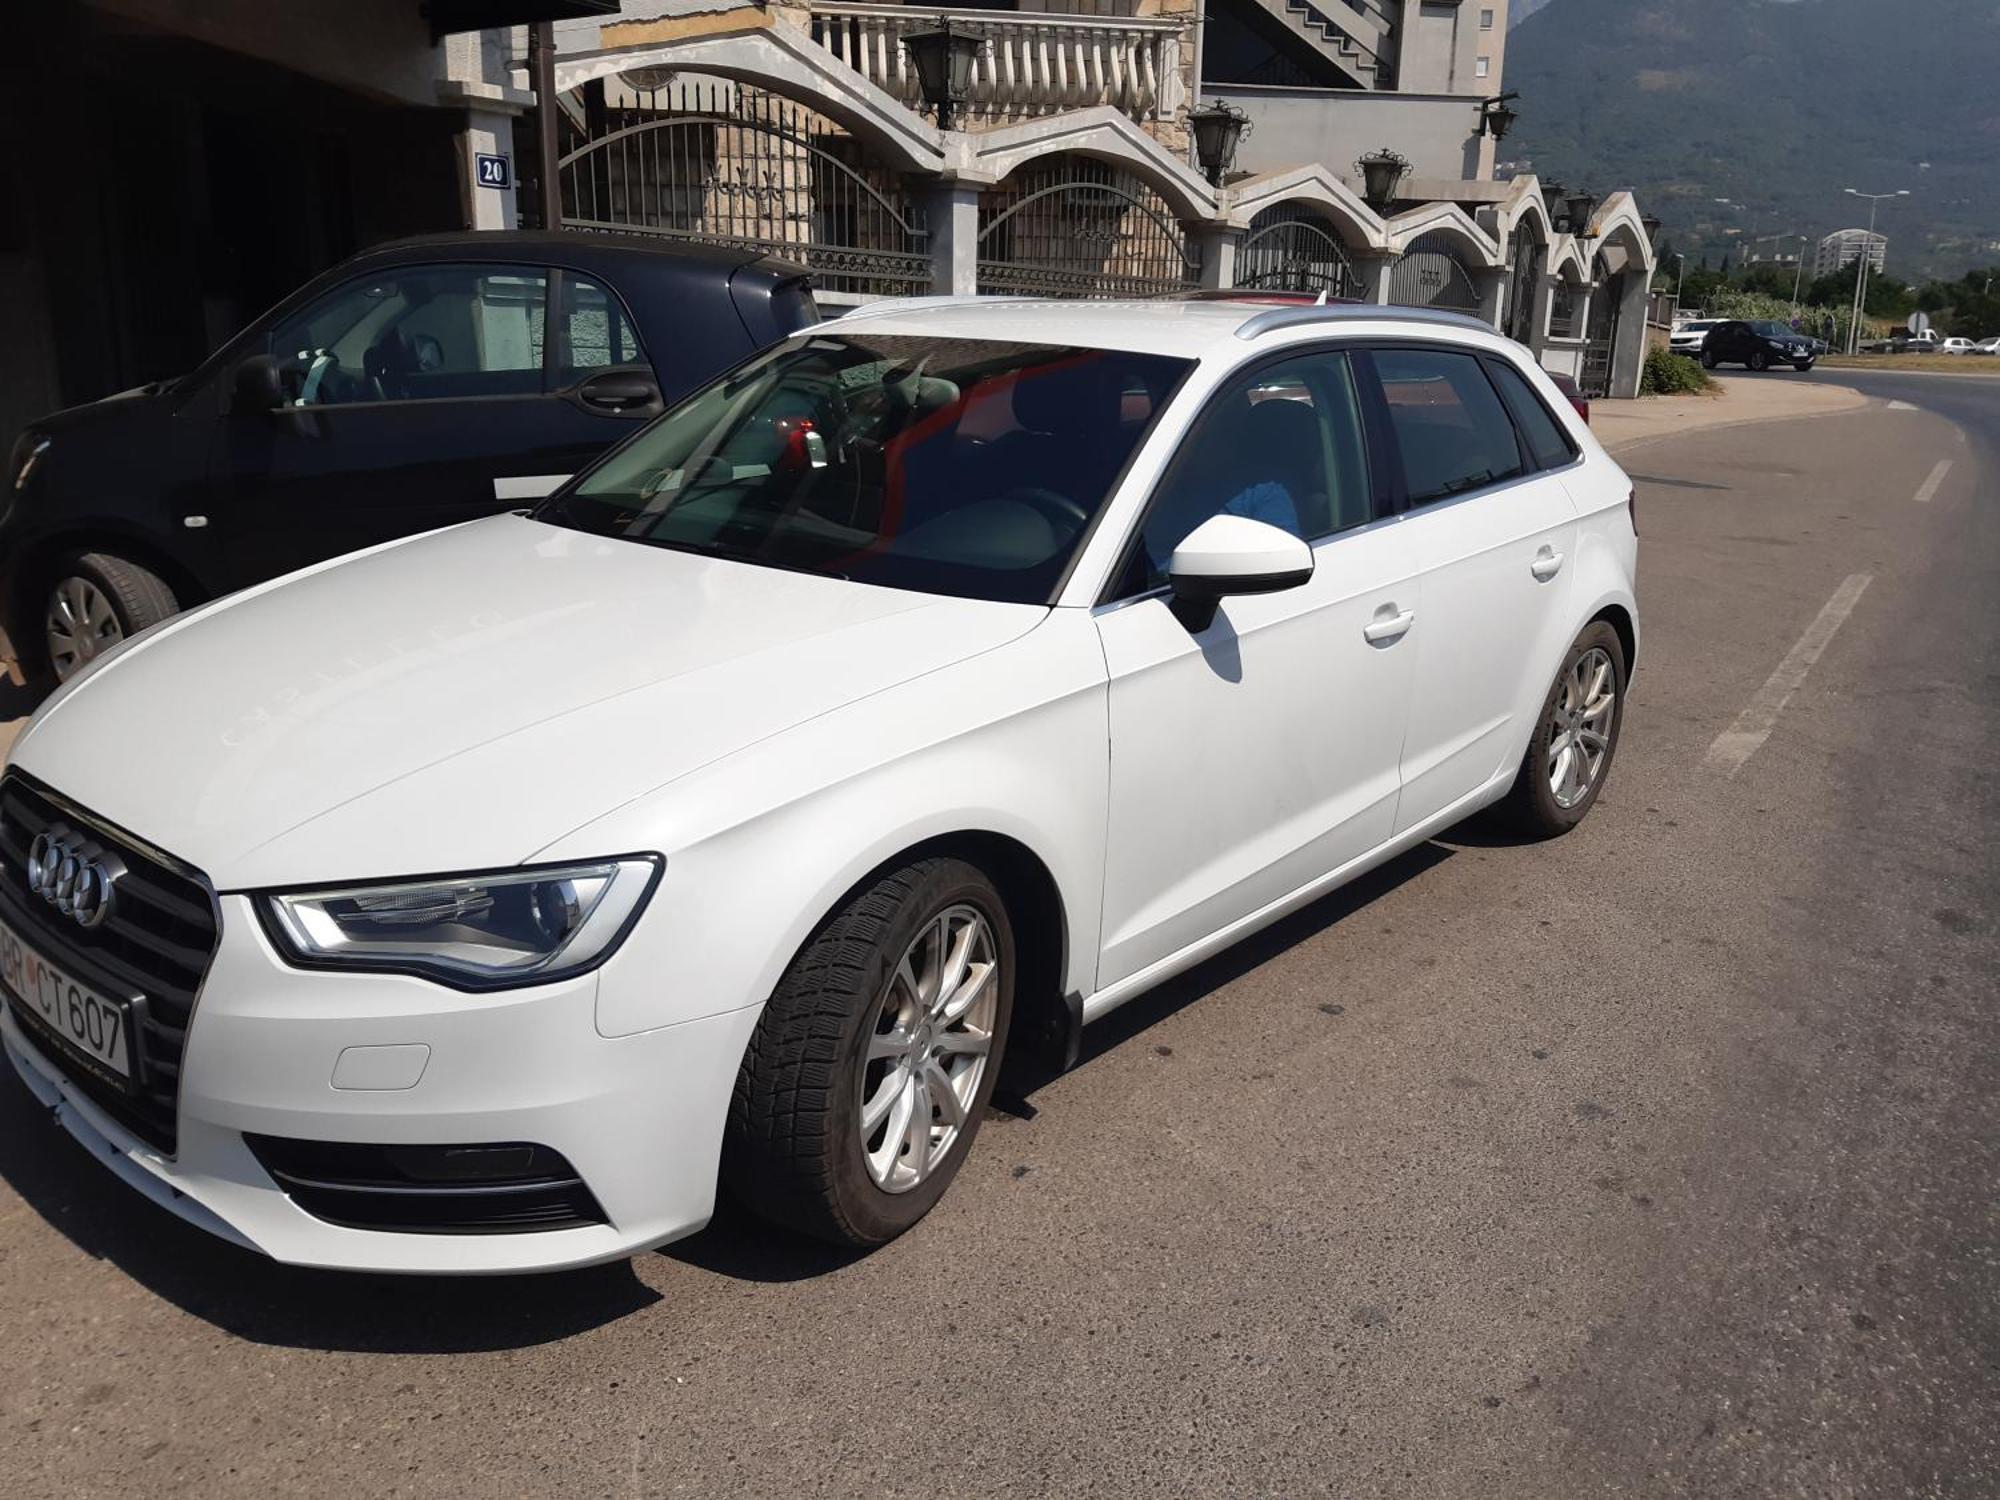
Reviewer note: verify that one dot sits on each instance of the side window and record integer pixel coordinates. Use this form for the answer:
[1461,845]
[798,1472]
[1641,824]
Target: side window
[1282,444]
[1453,432]
[417,333]
[1547,440]
[600,335]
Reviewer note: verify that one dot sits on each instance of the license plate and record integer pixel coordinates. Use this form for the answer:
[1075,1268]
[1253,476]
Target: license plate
[97,1027]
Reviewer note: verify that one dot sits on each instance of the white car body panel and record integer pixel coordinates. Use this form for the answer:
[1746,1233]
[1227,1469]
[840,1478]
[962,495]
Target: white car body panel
[512,692]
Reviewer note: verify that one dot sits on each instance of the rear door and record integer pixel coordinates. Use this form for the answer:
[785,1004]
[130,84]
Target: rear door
[1494,530]
[420,396]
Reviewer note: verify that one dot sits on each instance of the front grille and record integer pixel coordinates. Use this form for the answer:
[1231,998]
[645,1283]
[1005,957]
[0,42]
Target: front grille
[157,942]
[503,1188]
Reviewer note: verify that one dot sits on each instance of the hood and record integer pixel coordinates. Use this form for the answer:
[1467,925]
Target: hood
[460,700]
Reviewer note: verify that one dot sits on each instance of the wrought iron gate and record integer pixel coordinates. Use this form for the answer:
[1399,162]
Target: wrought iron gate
[1292,249]
[1522,278]
[730,165]
[1601,337]
[1430,274]
[1073,226]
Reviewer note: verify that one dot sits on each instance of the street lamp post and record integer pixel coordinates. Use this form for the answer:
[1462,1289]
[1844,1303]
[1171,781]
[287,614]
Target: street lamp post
[1680,275]
[1861,264]
[1798,276]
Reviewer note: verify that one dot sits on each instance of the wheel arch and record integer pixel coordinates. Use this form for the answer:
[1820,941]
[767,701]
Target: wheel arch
[1620,619]
[1047,1018]
[31,573]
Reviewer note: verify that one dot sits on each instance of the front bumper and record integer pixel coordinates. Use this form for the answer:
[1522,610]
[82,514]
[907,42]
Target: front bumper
[639,1117]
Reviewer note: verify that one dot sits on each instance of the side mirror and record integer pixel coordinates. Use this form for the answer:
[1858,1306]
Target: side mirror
[1233,555]
[257,385]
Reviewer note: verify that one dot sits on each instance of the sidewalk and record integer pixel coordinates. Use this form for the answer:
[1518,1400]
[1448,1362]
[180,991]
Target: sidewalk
[1743,399]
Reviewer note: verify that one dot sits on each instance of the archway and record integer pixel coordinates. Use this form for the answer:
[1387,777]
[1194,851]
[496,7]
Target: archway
[1069,225]
[729,163]
[1290,247]
[1432,273]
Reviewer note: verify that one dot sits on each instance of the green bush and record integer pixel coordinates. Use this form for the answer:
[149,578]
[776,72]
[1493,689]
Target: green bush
[1672,375]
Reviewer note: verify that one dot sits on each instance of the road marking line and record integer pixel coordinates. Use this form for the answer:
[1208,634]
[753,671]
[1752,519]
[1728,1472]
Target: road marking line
[1903,406]
[1753,726]
[1929,488]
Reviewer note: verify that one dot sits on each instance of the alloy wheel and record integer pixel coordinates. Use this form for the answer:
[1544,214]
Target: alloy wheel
[928,1048]
[80,626]
[1580,727]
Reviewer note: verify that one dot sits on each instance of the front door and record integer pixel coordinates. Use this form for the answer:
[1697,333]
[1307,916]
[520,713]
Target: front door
[418,396]
[1495,533]
[1252,757]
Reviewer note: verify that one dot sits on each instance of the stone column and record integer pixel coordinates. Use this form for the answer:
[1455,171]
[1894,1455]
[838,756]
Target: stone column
[1491,284]
[951,211]
[1216,245]
[1628,354]
[1371,274]
[489,133]
[1538,316]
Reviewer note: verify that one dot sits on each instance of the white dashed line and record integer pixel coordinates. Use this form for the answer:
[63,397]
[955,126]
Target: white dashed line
[1740,740]
[1927,491]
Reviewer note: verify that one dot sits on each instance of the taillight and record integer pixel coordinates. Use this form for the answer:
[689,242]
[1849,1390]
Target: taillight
[1632,508]
[1582,405]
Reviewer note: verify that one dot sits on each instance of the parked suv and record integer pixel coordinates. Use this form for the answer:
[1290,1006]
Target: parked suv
[932,684]
[1757,343]
[414,386]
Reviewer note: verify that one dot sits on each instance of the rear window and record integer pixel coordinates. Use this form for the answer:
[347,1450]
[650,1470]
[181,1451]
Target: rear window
[1454,434]
[1547,440]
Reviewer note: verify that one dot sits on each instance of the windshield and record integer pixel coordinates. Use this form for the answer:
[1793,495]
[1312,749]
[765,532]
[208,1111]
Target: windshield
[1772,330]
[950,466]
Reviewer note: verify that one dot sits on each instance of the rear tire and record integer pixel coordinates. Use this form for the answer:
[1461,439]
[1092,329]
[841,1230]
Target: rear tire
[1759,361]
[92,601]
[860,1019]
[1547,797]
[1708,360]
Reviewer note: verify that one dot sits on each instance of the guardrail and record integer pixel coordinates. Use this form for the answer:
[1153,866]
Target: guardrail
[1033,63]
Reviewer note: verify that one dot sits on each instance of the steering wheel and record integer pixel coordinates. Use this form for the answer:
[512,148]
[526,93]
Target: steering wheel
[1057,509]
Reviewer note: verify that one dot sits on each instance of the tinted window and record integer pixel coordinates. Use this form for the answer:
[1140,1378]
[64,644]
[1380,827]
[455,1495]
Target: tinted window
[1548,442]
[1282,445]
[1453,432]
[945,465]
[600,335]
[415,333]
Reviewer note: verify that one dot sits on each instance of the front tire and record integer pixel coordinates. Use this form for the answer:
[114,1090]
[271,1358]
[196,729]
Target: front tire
[93,601]
[873,1062]
[1569,755]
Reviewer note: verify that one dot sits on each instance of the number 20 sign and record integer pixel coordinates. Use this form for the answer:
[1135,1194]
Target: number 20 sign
[494,171]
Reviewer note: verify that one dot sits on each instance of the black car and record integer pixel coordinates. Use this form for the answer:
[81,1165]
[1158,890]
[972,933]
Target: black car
[1758,343]
[419,384]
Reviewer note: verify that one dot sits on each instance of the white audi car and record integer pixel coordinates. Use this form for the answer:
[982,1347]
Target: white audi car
[924,689]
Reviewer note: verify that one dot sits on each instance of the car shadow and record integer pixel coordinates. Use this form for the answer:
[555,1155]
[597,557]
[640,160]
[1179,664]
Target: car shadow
[16,700]
[259,1300]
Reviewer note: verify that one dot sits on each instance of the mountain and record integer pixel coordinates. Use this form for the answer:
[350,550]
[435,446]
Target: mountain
[1777,105]
[1523,9]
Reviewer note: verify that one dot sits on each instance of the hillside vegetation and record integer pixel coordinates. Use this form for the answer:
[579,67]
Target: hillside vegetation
[1777,104]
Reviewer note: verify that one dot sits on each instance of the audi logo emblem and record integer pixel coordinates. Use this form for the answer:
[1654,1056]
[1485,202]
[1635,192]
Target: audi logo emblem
[73,875]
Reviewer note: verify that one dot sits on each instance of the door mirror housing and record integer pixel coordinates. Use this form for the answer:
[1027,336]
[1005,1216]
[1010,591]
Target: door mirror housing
[1233,555]
[257,386]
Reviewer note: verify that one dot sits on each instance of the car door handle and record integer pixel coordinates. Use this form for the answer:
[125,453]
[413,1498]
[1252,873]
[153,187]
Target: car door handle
[1386,626]
[1546,565]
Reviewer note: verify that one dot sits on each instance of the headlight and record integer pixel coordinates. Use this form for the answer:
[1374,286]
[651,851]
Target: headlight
[27,457]
[472,932]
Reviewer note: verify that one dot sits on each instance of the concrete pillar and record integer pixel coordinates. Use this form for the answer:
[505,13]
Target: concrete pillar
[1216,245]
[487,133]
[1490,282]
[1538,317]
[1371,275]
[1628,354]
[952,213]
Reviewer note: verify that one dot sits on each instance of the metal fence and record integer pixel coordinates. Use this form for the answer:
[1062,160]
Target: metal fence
[1073,226]
[722,163]
[1430,274]
[1290,248]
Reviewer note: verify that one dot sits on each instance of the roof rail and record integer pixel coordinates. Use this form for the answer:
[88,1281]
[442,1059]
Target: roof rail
[1364,312]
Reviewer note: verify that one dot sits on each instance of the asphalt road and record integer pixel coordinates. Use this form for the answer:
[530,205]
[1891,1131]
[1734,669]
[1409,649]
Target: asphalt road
[1656,1161]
